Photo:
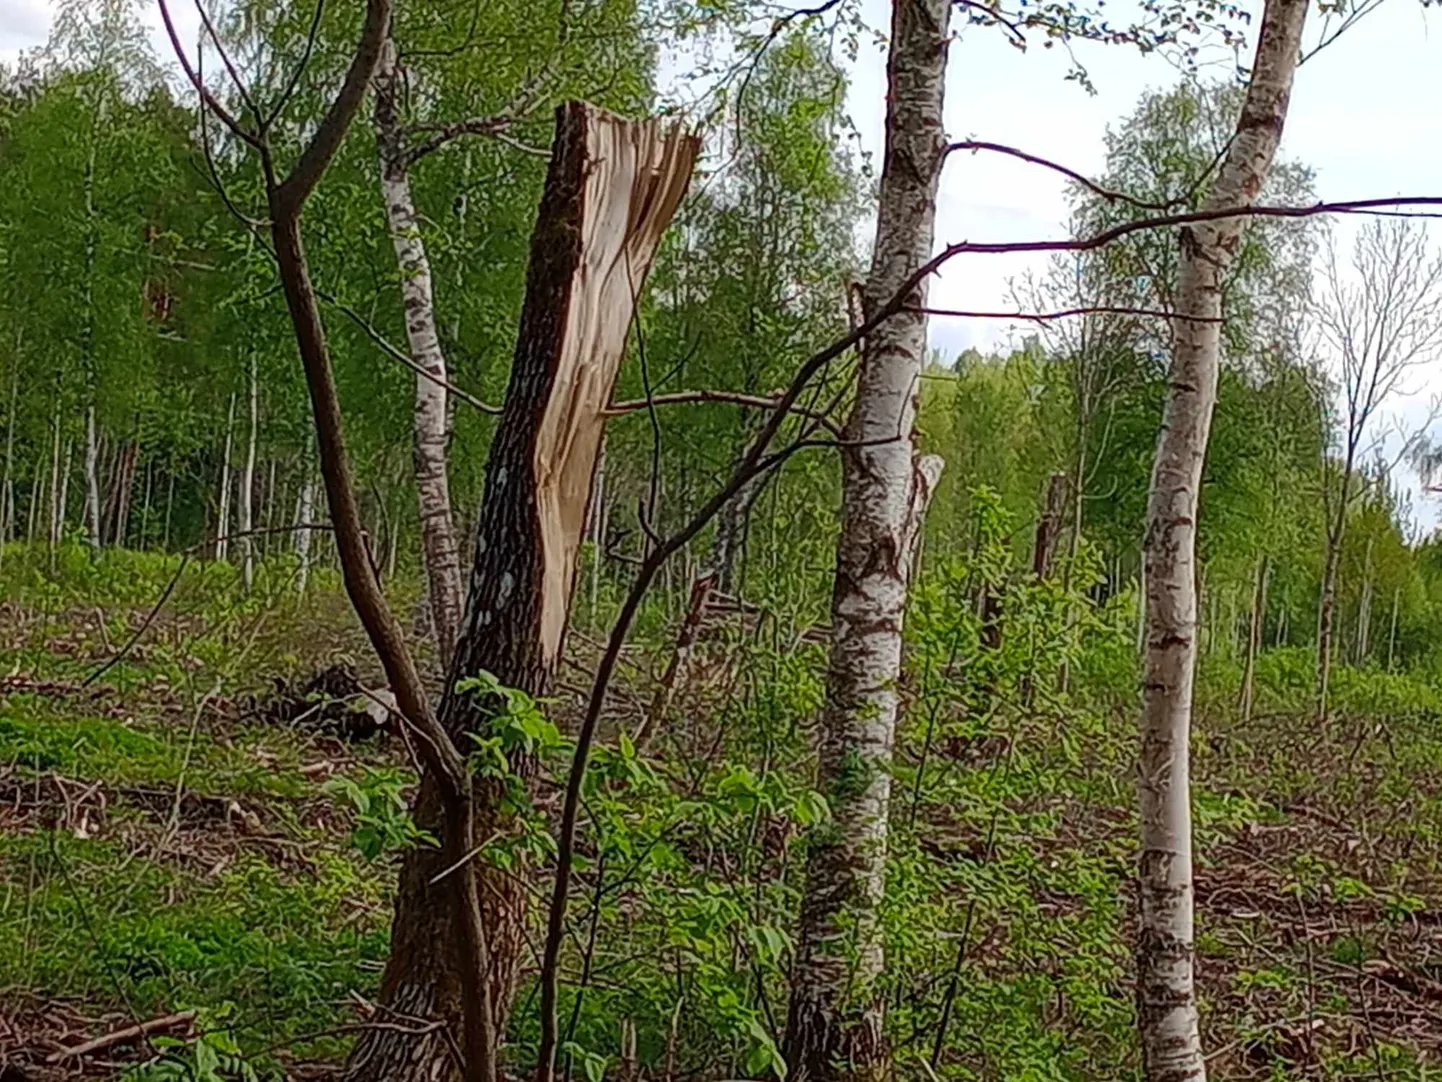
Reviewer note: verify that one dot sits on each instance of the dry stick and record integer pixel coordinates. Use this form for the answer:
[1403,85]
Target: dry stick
[120,1036]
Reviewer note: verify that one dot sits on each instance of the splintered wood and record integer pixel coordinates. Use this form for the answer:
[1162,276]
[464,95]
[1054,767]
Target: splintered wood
[626,179]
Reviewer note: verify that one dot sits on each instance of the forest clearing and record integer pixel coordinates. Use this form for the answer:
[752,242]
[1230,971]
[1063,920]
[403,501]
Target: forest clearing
[500,580]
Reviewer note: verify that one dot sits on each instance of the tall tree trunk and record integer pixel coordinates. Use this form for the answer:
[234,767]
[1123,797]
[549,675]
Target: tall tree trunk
[92,479]
[62,501]
[169,508]
[1255,627]
[1254,637]
[431,434]
[222,528]
[1327,610]
[1392,628]
[304,518]
[834,1025]
[611,190]
[7,518]
[1166,996]
[247,485]
[1364,610]
[55,527]
[116,520]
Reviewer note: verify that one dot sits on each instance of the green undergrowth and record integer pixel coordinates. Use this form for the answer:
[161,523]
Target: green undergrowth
[163,846]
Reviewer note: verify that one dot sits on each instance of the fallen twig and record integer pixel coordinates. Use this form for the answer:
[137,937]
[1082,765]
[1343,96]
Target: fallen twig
[120,1036]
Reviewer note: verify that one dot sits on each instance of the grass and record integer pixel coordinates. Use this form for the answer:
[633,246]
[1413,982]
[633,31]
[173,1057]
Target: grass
[163,846]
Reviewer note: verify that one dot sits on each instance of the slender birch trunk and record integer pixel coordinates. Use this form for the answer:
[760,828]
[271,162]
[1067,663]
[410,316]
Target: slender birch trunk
[7,520]
[304,516]
[834,1028]
[1254,638]
[222,527]
[62,503]
[247,485]
[1392,629]
[1327,612]
[1364,610]
[92,479]
[56,508]
[438,536]
[1166,997]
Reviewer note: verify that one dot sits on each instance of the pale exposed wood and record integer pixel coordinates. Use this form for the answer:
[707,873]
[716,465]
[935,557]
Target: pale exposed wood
[120,1036]
[638,174]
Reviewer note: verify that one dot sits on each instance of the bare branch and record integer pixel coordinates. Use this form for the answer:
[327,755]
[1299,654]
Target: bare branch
[209,100]
[736,398]
[401,355]
[240,87]
[1109,194]
[295,76]
[287,199]
[1066,313]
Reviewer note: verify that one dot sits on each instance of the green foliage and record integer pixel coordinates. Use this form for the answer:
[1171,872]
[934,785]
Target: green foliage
[383,822]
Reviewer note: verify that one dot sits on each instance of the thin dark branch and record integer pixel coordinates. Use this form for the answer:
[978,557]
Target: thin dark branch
[735,398]
[193,77]
[493,126]
[295,76]
[240,87]
[306,173]
[400,355]
[1066,313]
[1109,194]
[1126,229]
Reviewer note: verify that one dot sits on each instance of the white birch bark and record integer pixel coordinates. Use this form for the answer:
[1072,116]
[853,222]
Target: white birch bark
[57,506]
[834,1028]
[305,512]
[63,493]
[1166,997]
[92,478]
[247,485]
[7,527]
[222,527]
[438,537]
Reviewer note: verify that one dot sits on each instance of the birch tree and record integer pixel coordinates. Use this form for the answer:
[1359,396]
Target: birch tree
[834,1027]
[1166,996]
[1378,321]
[432,414]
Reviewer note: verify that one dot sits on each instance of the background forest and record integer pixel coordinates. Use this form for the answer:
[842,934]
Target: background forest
[203,810]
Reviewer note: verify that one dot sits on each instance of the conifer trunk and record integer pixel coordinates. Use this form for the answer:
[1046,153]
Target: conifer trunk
[1166,996]
[431,432]
[834,1025]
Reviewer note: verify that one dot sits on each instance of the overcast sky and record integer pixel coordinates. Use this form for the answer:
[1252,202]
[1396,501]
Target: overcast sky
[1366,114]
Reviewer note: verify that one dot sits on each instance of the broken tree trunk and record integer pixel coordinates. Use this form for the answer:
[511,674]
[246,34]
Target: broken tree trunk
[1049,526]
[611,190]
[834,1025]
[431,433]
[1166,995]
